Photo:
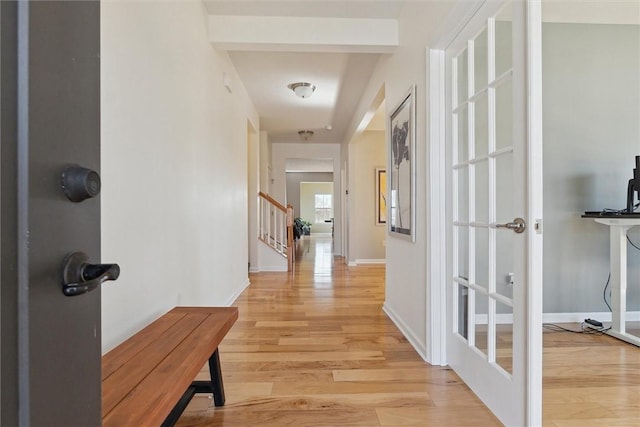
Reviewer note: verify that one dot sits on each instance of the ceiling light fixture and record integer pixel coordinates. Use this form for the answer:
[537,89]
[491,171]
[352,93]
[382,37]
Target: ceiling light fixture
[305,134]
[302,89]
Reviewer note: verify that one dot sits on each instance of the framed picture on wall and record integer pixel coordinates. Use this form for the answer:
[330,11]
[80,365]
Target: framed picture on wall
[401,179]
[381,196]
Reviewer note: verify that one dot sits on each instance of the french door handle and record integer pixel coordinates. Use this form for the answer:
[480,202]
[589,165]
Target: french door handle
[80,277]
[518,225]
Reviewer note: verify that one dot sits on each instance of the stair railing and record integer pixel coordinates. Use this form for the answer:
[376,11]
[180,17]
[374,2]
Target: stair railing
[276,227]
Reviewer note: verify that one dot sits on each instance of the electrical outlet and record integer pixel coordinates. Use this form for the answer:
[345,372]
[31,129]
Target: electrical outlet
[510,278]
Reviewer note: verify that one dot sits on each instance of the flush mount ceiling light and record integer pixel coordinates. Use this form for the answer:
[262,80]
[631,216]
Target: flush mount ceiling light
[305,134]
[302,89]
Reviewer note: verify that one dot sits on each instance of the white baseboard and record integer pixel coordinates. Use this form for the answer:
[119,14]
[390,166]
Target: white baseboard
[237,293]
[272,269]
[603,316]
[366,261]
[406,331]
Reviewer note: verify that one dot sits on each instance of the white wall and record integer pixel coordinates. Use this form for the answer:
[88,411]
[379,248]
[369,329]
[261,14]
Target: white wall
[406,278]
[265,162]
[174,159]
[366,238]
[280,152]
[308,191]
[591,98]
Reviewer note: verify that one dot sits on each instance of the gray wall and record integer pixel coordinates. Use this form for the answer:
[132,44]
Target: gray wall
[591,110]
[293,186]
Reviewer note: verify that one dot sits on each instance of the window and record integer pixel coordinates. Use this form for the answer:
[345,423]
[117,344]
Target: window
[324,207]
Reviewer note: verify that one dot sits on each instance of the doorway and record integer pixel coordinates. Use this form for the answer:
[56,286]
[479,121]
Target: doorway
[316,207]
[591,100]
[366,193]
[307,178]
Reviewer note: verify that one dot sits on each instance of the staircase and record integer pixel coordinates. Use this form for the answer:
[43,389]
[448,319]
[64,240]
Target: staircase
[275,227]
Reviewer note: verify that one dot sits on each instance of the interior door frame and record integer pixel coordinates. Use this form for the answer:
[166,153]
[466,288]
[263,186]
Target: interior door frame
[439,187]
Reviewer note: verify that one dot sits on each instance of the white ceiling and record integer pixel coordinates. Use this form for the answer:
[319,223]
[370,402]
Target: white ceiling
[340,73]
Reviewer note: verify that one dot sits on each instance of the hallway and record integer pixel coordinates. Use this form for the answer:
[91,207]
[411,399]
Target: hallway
[315,349]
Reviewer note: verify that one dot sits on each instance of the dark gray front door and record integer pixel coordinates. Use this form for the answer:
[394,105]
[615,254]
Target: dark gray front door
[50,118]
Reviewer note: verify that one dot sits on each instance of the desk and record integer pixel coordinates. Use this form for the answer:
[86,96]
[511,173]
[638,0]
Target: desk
[618,228]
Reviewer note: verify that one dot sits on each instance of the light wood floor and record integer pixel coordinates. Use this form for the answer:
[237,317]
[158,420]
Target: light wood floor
[314,348]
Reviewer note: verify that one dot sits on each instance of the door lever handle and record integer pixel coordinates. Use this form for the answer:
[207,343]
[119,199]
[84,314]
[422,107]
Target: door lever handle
[518,225]
[80,277]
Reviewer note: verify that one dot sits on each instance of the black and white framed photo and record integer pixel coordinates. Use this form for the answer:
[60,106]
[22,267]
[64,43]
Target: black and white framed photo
[381,196]
[401,171]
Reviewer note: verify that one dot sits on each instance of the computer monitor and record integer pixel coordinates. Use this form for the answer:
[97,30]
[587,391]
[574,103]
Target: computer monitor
[634,187]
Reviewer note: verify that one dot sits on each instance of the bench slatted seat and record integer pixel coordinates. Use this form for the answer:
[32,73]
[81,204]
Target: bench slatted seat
[148,379]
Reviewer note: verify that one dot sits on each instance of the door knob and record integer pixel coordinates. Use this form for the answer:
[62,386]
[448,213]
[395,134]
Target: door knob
[518,225]
[80,183]
[80,277]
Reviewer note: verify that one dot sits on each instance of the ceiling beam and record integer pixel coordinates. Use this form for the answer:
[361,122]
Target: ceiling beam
[297,34]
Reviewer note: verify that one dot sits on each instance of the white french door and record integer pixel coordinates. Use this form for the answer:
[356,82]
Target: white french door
[494,265]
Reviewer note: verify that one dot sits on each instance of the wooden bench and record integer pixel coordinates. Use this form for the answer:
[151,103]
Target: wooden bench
[148,379]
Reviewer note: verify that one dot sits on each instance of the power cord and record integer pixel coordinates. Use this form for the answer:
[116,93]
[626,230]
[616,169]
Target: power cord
[604,292]
[589,330]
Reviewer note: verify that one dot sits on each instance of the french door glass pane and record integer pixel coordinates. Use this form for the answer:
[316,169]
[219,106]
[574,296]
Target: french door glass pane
[504,263]
[481,322]
[463,310]
[504,337]
[481,131]
[463,72]
[463,194]
[505,239]
[463,135]
[463,253]
[482,191]
[480,64]
[504,188]
[504,115]
[503,40]
[482,256]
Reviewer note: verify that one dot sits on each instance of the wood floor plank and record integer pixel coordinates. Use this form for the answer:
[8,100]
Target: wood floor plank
[426,416]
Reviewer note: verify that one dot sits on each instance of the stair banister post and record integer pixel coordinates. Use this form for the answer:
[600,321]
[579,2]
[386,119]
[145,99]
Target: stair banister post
[290,251]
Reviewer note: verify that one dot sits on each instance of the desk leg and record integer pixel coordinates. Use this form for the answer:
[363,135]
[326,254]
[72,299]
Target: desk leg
[618,259]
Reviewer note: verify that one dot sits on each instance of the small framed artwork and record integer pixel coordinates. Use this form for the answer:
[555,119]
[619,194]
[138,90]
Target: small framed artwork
[402,154]
[381,196]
